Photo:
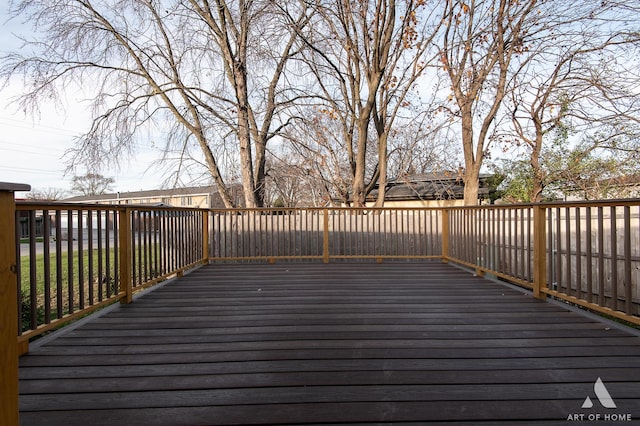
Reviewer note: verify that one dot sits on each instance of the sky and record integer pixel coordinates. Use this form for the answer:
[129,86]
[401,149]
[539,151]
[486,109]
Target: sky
[32,149]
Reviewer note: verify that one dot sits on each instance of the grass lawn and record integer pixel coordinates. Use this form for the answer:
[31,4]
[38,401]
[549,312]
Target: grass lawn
[95,286]
[25,267]
[91,284]
[27,240]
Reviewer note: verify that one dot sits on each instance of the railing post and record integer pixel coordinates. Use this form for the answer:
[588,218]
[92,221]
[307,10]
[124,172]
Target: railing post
[445,235]
[205,237]
[124,238]
[539,251]
[325,236]
[9,408]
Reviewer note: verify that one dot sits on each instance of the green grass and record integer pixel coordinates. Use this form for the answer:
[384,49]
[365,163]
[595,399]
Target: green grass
[27,240]
[25,267]
[88,281]
[90,284]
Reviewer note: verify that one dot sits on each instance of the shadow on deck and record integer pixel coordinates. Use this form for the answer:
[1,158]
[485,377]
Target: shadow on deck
[337,343]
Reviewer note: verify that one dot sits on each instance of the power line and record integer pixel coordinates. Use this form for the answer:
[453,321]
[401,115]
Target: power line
[31,171]
[36,127]
[40,148]
[22,151]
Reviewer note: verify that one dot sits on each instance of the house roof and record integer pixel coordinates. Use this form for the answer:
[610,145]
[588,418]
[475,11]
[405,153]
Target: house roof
[151,195]
[154,193]
[431,186]
[621,181]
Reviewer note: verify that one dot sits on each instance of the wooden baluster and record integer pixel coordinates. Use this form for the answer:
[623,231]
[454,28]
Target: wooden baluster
[539,251]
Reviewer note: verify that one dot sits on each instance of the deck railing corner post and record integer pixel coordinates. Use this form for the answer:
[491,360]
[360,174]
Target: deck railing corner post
[9,322]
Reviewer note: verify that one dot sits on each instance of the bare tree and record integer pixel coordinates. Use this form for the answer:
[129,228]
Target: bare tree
[578,79]
[366,57]
[92,184]
[47,194]
[319,145]
[291,183]
[420,147]
[480,40]
[202,74]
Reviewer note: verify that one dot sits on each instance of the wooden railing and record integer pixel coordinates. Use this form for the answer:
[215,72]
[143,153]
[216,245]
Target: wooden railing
[85,257]
[67,260]
[571,251]
[326,234]
[586,253]
[499,240]
[59,262]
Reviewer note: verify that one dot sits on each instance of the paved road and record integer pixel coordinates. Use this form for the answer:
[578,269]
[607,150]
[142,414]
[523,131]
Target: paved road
[24,248]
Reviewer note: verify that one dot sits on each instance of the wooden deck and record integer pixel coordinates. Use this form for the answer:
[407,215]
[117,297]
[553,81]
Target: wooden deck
[337,343]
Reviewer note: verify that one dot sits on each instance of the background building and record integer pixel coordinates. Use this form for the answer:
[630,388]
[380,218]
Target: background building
[199,197]
[443,189]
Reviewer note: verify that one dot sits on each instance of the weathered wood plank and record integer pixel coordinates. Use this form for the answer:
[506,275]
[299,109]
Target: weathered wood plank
[354,413]
[328,378]
[312,354]
[337,343]
[308,326]
[300,335]
[358,364]
[325,394]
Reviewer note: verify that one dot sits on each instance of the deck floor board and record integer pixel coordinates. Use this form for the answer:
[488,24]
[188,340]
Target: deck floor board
[340,343]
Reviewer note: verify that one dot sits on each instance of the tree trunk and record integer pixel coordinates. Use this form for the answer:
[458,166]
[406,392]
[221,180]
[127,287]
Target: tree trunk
[382,190]
[246,170]
[359,188]
[358,192]
[259,189]
[471,185]
[472,159]
[244,136]
[538,178]
[259,185]
[382,169]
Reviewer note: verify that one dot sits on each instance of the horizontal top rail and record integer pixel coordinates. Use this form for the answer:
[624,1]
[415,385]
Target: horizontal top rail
[550,204]
[35,204]
[321,209]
